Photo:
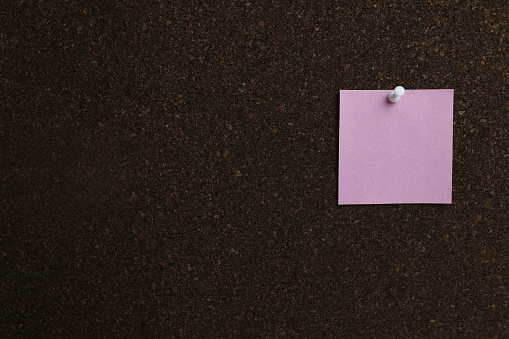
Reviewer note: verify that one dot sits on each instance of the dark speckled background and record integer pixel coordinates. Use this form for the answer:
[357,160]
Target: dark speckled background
[171,170]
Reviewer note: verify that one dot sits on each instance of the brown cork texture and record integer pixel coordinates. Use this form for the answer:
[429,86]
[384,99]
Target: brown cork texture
[169,169]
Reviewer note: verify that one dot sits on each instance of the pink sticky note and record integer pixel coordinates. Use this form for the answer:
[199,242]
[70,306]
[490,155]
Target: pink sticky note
[395,153]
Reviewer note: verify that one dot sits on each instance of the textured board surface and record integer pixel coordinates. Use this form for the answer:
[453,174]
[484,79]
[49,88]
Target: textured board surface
[169,169]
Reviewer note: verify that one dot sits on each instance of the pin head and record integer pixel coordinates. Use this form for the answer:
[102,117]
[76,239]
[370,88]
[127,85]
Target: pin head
[395,95]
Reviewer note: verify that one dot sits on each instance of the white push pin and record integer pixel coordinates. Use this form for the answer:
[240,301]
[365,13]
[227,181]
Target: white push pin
[395,95]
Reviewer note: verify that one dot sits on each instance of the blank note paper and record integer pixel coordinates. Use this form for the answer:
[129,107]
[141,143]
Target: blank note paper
[395,153]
